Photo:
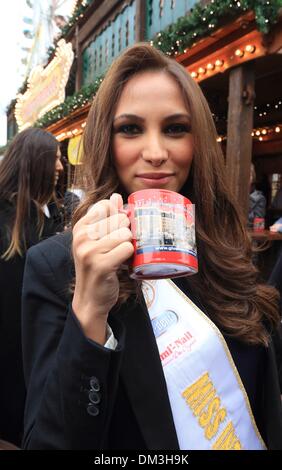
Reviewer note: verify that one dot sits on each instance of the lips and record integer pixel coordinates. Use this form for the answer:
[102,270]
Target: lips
[154,176]
[155,180]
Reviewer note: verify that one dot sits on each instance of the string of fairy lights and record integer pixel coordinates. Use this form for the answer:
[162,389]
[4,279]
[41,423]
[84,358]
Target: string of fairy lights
[264,110]
[261,133]
[220,62]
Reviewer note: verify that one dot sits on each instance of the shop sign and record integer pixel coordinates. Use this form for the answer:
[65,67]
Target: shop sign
[46,87]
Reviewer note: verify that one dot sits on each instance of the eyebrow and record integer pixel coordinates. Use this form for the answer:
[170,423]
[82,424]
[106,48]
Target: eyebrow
[139,118]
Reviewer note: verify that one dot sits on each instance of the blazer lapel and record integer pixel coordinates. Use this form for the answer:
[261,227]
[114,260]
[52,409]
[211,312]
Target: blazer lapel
[144,380]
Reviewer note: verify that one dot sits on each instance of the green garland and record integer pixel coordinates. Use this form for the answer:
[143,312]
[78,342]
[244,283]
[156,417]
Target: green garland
[71,103]
[203,19]
[78,12]
[177,37]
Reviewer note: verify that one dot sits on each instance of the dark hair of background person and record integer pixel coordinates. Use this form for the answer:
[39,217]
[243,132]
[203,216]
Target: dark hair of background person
[27,174]
[227,280]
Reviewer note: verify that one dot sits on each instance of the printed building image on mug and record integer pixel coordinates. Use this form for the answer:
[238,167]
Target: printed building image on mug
[163,226]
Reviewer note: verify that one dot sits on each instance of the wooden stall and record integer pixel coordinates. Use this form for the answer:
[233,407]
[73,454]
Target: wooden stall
[240,72]
[238,67]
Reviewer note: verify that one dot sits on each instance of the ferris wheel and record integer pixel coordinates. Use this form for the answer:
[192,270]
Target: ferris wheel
[48,17]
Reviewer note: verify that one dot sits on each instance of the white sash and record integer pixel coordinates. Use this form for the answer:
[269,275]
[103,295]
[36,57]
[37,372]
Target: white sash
[210,407]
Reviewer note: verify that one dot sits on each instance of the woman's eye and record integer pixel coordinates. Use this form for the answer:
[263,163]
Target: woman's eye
[175,129]
[129,129]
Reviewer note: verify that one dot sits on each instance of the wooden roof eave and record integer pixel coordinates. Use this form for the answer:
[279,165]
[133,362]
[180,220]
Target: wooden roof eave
[216,40]
[69,123]
[223,42]
[202,51]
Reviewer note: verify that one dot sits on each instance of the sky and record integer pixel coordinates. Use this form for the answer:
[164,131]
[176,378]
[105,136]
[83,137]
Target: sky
[11,26]
[11,42]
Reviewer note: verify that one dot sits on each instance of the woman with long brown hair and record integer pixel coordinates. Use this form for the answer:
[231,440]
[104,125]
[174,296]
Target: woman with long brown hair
[96,376]
[28,213]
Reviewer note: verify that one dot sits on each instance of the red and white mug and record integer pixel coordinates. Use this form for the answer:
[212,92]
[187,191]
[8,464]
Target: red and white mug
[163,227]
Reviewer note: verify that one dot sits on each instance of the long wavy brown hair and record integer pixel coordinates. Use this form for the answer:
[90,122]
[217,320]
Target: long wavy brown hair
[27,174]
[227,282]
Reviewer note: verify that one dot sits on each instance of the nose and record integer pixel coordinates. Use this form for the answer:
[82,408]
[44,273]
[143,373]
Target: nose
[155,151]
[59,166]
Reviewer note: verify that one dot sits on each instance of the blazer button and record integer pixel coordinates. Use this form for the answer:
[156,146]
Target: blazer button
[92,410]
[94,397]
[95,384]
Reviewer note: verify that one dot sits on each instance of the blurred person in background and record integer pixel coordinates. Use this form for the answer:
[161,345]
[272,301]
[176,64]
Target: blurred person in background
[29,212]
[66,196]
[257,201]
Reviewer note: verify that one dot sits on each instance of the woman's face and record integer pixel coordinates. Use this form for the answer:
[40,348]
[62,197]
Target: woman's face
[58,165]
[152,141]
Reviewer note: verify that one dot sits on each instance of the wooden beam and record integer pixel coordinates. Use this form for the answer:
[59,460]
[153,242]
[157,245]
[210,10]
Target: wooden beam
[240,125]
[140,21]
[268,147]
[244,49]
[78,54]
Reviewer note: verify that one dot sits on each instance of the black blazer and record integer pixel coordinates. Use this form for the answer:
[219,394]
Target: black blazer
[12,390]
[84,396]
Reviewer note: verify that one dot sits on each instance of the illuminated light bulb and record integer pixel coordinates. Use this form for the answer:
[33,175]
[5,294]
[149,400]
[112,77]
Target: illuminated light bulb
[239,53]
[260,138]
[257,133]
[249,48]
[219,139]
[210,66]
[252,134]
[219,63]
[277,129]
[264,131]
[194,75]
[201,70]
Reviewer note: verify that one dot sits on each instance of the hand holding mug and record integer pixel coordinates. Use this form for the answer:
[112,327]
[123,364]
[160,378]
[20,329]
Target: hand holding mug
[102,241]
